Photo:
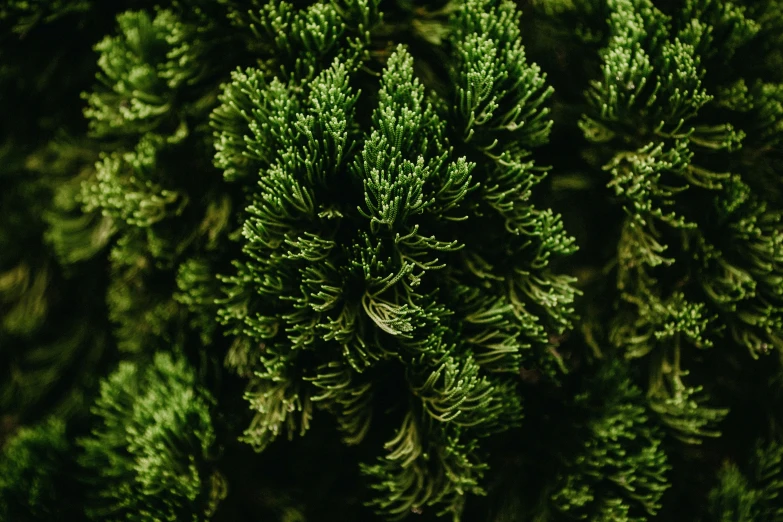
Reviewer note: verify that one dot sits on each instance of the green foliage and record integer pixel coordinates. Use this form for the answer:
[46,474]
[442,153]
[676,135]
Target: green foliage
[49,333]
[142,69]
[598,455]
[151,102]
[361,257]
[31,466]
[298,43]
[23,15]
[670,127]
[733,499]
[349,204]
[152,453]
[502,100]
[52,332]
[620,470]
[754,495]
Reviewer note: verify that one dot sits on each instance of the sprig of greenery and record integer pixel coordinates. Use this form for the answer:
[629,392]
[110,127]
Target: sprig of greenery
[152,455]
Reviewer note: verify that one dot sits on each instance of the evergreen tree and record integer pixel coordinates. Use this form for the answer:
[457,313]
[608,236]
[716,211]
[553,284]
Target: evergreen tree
[34,469]
[150,456]
[346,260]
